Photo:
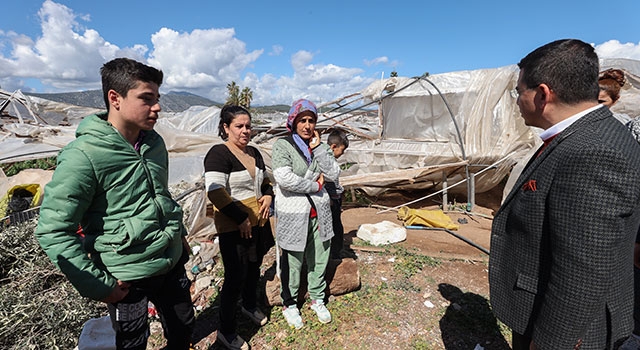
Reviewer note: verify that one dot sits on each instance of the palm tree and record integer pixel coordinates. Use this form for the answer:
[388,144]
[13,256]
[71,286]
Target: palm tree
[245,97]
[234,94]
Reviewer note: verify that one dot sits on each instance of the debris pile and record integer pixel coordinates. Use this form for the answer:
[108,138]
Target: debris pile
[39,308]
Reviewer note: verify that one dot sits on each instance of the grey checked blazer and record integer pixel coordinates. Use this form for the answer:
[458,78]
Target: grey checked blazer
[561,264]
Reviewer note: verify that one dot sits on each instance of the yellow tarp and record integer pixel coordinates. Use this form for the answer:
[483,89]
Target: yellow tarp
[425,217]
[35,189]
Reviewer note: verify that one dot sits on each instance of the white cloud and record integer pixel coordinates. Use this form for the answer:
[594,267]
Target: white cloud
[318,82]
[300,59]
[615,49]
[276,50]
[203,60]
[12,84]
[68,55]
[376,61]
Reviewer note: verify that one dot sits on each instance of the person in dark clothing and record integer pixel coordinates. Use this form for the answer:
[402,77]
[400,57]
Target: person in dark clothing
[338,142]
[241,193]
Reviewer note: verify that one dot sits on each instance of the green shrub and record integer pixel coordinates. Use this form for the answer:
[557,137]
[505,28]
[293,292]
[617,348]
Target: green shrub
[11,169]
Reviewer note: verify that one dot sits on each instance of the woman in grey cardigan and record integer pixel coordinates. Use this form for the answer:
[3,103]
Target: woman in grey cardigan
[303,226]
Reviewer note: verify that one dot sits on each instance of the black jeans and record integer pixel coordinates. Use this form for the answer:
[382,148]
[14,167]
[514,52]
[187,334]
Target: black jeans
[338,230]
[171,296]
[241,260]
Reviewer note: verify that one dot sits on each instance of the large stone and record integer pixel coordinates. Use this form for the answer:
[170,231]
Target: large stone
[342,277]
[385,232]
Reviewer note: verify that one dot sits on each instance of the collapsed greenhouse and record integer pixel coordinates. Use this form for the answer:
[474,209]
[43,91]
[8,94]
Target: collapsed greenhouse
[458,130]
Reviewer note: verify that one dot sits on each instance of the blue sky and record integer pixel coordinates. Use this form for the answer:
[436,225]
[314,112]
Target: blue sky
[284,50]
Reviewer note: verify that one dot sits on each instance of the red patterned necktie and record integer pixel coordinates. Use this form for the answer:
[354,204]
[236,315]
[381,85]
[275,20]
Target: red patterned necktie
[545,144]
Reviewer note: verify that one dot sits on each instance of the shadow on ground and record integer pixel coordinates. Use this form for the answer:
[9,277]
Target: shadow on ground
[470,312]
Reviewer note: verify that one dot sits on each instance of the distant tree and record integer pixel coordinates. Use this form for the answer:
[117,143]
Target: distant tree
[393,74]
[233,91]
[235,97]
[245,98]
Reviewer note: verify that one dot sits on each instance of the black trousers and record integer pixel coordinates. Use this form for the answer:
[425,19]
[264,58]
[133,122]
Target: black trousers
[338,229]
[241,261]
[171,296]
[519,341]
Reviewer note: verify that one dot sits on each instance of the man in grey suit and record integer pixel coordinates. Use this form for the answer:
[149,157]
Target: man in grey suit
[561,265]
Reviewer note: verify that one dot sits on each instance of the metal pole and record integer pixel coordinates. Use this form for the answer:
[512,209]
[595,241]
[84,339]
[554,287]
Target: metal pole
[455,184]
[483,249]
[445,199]
[471,201]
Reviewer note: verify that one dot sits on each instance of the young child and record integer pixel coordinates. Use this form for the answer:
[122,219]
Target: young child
[112,180]
[338,142]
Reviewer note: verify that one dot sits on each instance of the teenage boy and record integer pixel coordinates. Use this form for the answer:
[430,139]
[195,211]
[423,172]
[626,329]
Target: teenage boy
[112,181]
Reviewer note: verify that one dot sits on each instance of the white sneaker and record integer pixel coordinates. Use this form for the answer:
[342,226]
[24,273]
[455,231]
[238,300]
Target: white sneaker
[324,315]
[257,316]
[292,315]
[237,343]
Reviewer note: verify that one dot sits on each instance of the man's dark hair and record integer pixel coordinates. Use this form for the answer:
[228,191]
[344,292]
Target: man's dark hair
[338,137]
[227,114]
[569,67]
[124,74]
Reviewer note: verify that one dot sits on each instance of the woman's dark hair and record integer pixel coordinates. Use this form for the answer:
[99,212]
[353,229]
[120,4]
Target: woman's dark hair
[611,81]
[227,114]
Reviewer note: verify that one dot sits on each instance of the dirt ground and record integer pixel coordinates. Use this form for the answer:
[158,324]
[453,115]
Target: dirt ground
[456,290]
[470,241]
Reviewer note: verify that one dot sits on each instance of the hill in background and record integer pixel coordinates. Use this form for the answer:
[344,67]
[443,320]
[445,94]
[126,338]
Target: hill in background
[171,102]
[174,101]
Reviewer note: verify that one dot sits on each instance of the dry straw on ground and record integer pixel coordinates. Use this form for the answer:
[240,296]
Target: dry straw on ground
[39,308]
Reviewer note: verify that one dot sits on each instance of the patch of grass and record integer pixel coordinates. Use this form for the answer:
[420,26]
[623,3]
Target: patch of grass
[346,166]
[421,344]
[405,285]
[11,169]
[408,263]
[371,309]
[364,243]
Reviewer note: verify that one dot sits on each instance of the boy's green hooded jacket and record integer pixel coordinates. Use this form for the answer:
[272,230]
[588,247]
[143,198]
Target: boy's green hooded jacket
[132,227]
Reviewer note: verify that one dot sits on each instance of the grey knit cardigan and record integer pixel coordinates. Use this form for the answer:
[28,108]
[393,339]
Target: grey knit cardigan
[294,181]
